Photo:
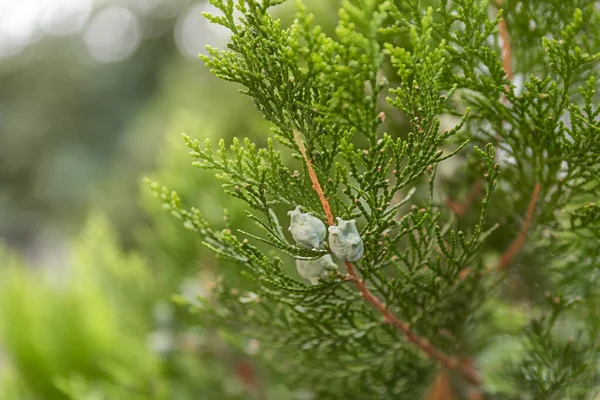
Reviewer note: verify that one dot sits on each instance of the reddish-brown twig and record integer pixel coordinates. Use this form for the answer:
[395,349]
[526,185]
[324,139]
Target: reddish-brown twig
[516,245]
[506,51]
[246,374]
[313,177]
[441,388]
[431,351]
[459,208]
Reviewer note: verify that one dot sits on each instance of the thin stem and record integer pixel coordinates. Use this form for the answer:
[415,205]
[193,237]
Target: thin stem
[516,245]
[431,351]
[441,389]
[506,50]
[459,208]
[313,177]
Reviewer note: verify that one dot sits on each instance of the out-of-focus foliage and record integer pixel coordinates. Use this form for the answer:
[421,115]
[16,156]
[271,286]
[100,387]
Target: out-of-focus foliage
[102,324]
[66,115]
[99,322]
[135,289]
[77,325]
[108,330]
[180,104]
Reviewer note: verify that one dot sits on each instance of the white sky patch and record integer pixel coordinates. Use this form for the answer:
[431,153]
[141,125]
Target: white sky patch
[157,8]
[23,22]
[112,34]
[65,17]
[18,25]
[193,32]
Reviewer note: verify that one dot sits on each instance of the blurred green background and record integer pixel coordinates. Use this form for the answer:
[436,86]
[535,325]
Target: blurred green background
[89,90]
[94,95]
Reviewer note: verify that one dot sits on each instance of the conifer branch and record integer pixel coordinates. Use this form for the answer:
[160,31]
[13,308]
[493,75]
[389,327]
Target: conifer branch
[516,245]
[441,388]
[451,54]
[313,177]
[506,49]
[459,208]
[431,351]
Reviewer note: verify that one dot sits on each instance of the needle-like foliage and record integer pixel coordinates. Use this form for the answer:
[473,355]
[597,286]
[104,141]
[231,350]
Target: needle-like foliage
[362,123]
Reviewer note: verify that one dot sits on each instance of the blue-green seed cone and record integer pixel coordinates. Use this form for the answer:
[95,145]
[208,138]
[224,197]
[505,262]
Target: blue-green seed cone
[313,270]
[345,241]
[307,230]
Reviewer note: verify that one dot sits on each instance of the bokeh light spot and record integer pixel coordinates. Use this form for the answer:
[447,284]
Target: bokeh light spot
[113,34]
[193,32]
[65,17]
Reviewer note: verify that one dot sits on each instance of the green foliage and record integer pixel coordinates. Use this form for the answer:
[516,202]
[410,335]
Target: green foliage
[44,341]
[554,367]
[105,331]
[401,107]
[323,96]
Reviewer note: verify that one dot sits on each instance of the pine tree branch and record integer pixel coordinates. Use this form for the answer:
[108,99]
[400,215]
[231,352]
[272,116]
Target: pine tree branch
[516,245]
[468,373]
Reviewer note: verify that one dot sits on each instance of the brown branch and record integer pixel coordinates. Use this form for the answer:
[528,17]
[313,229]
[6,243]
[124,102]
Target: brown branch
[247,375]
[313,177]
[516,245]
[441,389]
[459,208]
[506,50]
[431,351]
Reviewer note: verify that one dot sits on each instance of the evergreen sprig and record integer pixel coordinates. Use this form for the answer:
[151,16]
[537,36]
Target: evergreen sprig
[412,304]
